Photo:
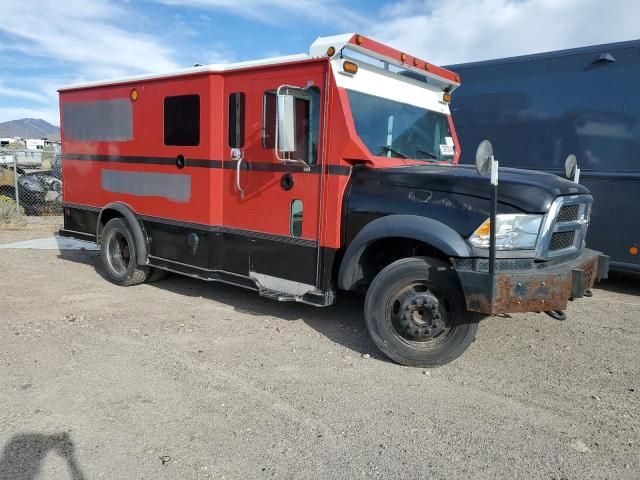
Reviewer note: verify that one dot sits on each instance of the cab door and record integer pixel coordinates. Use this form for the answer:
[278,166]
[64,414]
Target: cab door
[272,209]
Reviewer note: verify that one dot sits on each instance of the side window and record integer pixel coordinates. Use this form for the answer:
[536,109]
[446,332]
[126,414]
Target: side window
[307,124]
[269,120]
[182,120]
[236,120]
[296,218]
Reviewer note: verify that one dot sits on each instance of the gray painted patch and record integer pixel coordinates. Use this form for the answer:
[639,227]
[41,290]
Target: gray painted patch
[98,121]
[173,186]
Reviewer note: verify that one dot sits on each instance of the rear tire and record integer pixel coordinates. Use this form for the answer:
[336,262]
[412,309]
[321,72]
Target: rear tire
[119,254]
[416,313]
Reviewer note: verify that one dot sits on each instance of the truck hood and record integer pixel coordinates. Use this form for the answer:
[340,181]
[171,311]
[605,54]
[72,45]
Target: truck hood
[527,190]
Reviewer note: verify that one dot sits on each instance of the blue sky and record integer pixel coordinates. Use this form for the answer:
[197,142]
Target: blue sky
[46,44]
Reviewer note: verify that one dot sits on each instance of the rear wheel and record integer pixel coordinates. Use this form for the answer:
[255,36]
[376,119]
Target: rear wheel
[119,256]
[416,313]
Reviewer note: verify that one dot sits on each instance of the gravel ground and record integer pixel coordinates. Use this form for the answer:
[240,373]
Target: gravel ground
[190,380]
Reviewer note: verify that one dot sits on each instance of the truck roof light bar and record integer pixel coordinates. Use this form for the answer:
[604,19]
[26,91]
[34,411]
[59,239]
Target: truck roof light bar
[384,53]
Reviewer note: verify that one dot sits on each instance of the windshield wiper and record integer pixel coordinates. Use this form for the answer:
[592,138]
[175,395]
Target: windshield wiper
[433,158]
[386,148]
[426,152]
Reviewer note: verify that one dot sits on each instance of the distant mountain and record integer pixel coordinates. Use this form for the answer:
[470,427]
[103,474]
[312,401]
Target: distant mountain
[29,128]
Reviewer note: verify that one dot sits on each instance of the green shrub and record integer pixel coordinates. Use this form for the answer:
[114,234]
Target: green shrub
[8,213]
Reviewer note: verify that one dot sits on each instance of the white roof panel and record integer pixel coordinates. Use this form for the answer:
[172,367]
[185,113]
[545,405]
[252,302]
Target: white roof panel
[216,67]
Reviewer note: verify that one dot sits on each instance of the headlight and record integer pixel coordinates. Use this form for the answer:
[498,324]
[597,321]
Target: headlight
[513,232]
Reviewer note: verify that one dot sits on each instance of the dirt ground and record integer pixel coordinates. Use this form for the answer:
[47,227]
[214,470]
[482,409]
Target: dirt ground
[183,379]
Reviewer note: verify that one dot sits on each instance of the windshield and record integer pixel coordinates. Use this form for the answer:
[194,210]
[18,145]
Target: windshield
[393,129]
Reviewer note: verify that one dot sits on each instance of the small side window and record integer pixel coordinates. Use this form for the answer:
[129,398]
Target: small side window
[236,120]
[296,218]
[269,120]
[182,120]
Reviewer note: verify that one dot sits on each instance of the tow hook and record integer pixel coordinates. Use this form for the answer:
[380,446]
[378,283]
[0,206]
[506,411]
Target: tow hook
[561,314]
[557,314]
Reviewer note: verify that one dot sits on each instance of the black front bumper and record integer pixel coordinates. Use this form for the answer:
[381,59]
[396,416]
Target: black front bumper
[539,288]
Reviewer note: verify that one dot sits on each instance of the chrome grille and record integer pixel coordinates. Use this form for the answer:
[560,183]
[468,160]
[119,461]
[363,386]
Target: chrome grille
[564,227]
[569,213]
[560,240]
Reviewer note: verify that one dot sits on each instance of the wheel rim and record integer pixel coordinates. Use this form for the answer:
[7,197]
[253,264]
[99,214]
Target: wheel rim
[118,253]
[419,314]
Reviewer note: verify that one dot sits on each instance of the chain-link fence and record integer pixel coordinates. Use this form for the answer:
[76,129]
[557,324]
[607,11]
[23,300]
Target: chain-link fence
[30,183]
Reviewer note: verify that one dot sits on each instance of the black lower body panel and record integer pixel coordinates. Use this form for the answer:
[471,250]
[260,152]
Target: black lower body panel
[271,264]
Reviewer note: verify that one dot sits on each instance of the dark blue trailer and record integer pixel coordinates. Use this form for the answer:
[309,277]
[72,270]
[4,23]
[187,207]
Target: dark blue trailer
[537,109]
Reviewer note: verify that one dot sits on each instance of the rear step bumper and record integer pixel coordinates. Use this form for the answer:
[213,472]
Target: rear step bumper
[79,235]
[541,288]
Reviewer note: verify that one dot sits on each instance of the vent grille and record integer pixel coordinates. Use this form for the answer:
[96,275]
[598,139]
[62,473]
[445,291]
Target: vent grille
[561,240]
[564,228]
[569,213]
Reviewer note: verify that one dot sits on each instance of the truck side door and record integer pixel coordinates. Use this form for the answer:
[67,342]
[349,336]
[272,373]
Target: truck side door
[273,206]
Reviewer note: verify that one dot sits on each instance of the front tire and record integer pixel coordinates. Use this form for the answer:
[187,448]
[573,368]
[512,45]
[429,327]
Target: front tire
[119,254]
[416,313]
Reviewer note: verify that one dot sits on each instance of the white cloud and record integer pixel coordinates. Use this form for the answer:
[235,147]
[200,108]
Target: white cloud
[83,33]
[280,11]
[454,31]
[20,93]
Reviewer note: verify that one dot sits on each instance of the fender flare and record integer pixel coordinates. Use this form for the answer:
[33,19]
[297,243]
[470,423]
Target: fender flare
[426,230]
[142,244]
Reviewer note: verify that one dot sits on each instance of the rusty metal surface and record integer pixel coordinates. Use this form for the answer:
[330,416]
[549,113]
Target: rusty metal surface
[530,291]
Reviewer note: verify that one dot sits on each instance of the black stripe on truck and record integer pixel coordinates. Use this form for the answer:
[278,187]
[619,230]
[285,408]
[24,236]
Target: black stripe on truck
[209,163]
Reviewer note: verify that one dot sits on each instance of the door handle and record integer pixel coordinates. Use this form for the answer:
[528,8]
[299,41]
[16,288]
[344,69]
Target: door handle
[238,168]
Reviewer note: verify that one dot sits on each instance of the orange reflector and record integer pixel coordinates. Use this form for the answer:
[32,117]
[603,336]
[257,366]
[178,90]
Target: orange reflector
[485,229]
[458,78]
[331,51]
[633,250]
[358,39]
[133,95]
[350,67]
[403,57]
[415,62]
[446,97]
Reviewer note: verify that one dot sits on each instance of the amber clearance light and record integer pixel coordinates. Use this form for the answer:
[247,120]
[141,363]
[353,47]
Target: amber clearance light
[133,95]
[446,97]
[350,67]
[331,51]
[403,57]
[358,39]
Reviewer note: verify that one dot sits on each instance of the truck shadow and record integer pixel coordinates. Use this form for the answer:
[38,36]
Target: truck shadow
[24,454]
[342,323]
[621,282]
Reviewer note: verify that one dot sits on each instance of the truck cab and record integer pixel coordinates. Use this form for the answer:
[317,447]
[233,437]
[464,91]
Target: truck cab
[303,176]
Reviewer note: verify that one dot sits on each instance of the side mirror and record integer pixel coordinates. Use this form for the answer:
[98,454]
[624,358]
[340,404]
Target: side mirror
[286,123]
[571,169]
[484,157]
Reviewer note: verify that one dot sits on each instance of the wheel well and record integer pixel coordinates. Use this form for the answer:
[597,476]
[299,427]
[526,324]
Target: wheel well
[106,215]
[380,253]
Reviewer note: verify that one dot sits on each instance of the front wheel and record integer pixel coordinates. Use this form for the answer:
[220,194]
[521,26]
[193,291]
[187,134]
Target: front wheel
[416,313]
